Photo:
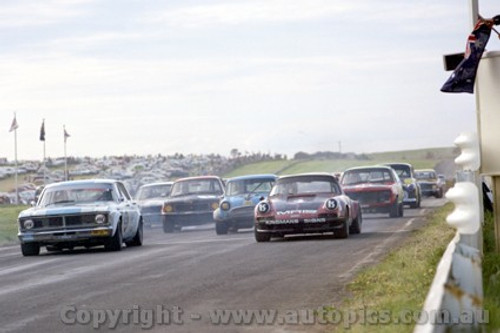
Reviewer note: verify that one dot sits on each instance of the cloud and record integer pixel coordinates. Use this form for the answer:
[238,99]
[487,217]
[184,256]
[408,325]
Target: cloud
[24,13]
[233,13]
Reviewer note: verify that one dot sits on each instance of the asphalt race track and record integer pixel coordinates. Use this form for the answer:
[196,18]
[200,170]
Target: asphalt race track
[181,282]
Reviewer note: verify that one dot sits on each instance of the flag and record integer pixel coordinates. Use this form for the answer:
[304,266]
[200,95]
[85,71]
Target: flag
[463,77]
[14,125]
[66,135]
[42,131]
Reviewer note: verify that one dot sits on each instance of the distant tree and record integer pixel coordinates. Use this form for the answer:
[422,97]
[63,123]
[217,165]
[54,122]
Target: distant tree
[301,155]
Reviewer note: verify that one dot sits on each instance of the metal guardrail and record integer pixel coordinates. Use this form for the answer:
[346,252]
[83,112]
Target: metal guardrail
[455,299]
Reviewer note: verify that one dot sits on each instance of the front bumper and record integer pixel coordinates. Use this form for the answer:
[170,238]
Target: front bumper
[188,218]
[299,226]
[81,235]
[241,217]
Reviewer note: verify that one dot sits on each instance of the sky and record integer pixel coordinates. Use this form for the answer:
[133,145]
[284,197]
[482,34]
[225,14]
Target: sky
[134,77]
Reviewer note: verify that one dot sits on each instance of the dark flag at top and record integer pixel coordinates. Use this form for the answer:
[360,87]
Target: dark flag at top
[42,131]
[463,77]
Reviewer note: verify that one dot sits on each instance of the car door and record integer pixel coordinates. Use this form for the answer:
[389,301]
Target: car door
[130,216]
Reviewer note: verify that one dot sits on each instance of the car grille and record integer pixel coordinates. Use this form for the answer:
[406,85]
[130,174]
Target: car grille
[426,186]
[55,222]
[192,207]
[371,197]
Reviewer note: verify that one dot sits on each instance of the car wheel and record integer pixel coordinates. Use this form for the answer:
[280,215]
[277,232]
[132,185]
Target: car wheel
[401,210]
[439,194]
[394,211]
[137,240]
[343,232]
[168,227]
[355,227]
[115,242]
[30,249]
[221,228]
[261,237]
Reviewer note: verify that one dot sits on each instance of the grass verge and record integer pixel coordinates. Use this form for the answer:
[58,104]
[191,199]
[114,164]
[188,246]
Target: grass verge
[8,225]
[400,283]
[491,275]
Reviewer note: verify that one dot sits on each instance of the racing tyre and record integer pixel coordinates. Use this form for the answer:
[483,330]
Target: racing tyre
[401,210]
[137,240]
[262,237]
[394,212]
[30,249]
[343,232]
[221,228]
[115,242]
[355,227]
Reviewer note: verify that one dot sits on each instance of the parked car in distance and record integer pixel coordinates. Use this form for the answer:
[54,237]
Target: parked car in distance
[192,201]
[377,188]
[150,198]
[306,203]
[236,208]
[81,213]
[412,192]
[429,183]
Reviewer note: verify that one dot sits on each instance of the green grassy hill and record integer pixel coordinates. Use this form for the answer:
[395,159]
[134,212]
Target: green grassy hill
[420,159]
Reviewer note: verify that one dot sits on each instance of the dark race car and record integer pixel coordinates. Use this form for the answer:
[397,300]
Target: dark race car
[430,183]
[377,188]
[406,173]
[150,198]
[307,203]
[192,201]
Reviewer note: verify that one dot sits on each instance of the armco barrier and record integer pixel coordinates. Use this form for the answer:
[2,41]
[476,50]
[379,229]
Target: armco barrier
[457,289]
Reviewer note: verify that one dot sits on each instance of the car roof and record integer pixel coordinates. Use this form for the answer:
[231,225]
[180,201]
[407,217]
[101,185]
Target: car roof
[384,167]
[398,164]
[156,184]
[83,181]
[197,178]
[425,170]
[256,176]
[306,174]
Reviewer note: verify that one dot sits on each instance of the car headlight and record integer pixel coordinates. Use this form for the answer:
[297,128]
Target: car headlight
[215,205]
[225,205]
[100,218]
[168,208]
[28,224]
[263,207]
[331,204]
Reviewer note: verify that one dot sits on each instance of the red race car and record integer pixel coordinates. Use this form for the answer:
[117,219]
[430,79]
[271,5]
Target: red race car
[307,203]
[377,188]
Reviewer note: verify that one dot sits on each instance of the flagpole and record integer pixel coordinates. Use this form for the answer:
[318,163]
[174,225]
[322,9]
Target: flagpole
[15,163]
[65,156]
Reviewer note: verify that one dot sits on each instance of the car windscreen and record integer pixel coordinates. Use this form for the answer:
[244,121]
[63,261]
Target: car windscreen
[305,185]
[425,175]
[76,194]
[198,186]
[249,186]
[362,176]
[153,191]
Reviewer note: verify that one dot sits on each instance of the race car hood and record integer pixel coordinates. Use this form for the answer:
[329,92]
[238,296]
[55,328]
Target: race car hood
[64,209]
[299,203]
[367,188]
[192,198]
[152,202]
